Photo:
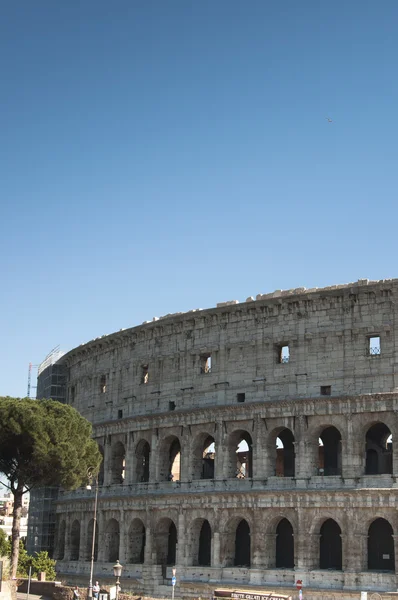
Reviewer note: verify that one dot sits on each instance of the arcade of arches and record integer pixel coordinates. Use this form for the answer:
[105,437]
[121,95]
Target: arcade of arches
[229,546]
[175,459]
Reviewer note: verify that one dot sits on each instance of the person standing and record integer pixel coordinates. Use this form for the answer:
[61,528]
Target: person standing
[96,590]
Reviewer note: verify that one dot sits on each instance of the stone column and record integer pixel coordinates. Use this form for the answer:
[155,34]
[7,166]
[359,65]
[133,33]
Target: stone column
[181,540]
[83,539]
[216,550]
[353,449]
[101,536]
[154,466]
[122,537]
[68,523]
[130,459]
[185,442]
[269,553]
[107,461]
[258,549]
[148,557]
[260,450]
[220,459]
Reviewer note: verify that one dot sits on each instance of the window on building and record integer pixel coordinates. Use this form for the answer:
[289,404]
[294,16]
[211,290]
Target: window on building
[205,363]
[103,384]
[241,397]
[374,348]
[172,405]
[72,394]
[120,413]
[282,353]
[144,374]
[326,390]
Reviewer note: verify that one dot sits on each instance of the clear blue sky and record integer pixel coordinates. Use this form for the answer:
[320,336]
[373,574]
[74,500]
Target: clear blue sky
[163,155]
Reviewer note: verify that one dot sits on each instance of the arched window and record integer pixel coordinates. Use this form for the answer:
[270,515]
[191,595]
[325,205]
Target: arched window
[330,553]
[330,452]
[142,454]
[118,462]
[242,544]
[203,456]
[284,552]
[166,542]
[381,556]
[285,454]
[378,450]
[170,459]
[136,542]
[112,540]
[75,540]
[240,450]
[61,540]
[89,547]
[204,554]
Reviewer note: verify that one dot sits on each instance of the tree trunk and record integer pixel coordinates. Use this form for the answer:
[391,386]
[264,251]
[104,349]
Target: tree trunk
[16,521]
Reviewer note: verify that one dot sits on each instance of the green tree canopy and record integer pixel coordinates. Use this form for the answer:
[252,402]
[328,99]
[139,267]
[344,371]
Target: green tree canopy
[43,442]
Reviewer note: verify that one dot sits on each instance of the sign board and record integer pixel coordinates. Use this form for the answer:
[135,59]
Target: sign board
[243,595]
[173,580]
[364,595]
[299,584]
[112,593]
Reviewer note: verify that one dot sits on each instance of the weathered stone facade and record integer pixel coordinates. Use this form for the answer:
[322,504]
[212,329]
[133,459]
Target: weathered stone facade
[250,445]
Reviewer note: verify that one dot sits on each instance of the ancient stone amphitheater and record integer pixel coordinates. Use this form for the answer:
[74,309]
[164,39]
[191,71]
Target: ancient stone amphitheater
[250,445]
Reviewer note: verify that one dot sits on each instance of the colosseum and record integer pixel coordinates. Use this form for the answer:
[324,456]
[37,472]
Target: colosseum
[250,446]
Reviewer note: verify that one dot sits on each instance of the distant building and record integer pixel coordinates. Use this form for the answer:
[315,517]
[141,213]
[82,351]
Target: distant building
[6,510]
[51,380]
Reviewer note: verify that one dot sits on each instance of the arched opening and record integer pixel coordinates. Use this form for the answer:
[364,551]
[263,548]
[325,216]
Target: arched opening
[285,454]
[330,549]
[75,540]
[136,550]
[240,450]
[242,544]
[170,459]
[203,457]
[112,541]
[381,556]
[172,545]
[89,547]
[61,540]
[142,454]
[204,553]
[101,471]
[329,452]
[284,551]
[378,450]
[118,462]
[166,542]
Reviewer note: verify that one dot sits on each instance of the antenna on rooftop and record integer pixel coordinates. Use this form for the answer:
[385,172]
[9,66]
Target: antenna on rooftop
[29,379]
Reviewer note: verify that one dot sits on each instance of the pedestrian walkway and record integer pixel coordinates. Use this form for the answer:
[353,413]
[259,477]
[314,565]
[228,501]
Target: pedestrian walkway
[23,596]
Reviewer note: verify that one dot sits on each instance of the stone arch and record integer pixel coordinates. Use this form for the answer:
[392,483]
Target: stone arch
[101,471]
[118,462]
[166,542]
[282,452]
[381,551]
[284,545]
[200,542]
[75,540]
[330,546]
[379,449]
[329,453]
[237,543]
[89,546]
[142,456]
[136,542]
[112,541]
[61,540]
[170,459]
[203,457]
[240,455]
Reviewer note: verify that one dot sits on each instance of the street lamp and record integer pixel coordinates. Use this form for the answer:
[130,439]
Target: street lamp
[117,571]
[91,476]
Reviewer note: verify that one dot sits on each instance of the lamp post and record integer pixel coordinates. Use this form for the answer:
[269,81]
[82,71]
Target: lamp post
[117,571]
[91,476]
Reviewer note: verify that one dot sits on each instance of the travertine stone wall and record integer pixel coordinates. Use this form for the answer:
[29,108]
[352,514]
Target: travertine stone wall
[168,388]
